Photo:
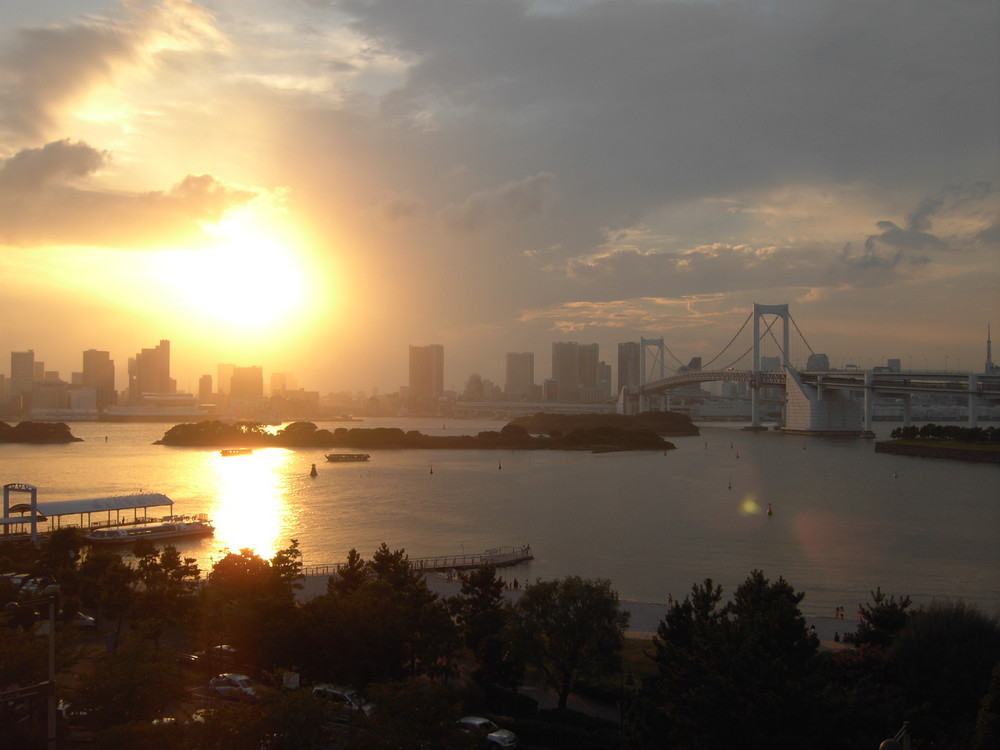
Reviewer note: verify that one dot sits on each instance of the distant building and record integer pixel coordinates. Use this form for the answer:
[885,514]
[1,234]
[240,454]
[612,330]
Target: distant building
[817,363]
[99,374]
[520,374]
[629,367]
[149,372]
[22,374]
[225,378]
[566,371]
[247,386]
[205,393]
[426,373]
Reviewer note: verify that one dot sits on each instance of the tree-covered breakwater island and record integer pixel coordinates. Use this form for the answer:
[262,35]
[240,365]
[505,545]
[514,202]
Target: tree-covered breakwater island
[37,432]
[581,432]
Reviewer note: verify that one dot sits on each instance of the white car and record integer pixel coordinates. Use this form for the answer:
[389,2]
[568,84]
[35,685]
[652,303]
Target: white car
[232,686]
[492,735]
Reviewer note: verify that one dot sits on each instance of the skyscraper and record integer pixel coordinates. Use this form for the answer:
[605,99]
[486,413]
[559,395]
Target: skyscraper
[149,372]
[520,374]
[629,366]
[99,374]
[426,372]
[566,371]
[22,379]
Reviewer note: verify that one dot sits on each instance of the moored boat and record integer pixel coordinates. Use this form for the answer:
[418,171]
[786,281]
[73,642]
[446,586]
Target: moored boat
[235,451]
[339,457]
[171,527]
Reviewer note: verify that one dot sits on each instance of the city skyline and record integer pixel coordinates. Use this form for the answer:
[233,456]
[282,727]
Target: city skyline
[313,188]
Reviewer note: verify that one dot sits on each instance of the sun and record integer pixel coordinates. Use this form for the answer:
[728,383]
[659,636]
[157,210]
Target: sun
[250,277]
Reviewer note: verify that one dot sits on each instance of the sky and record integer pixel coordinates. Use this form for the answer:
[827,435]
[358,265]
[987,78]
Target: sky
[313,186]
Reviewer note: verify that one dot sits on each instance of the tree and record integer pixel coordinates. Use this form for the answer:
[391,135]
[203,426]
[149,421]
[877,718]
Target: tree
[573,628]
[349,576]
[882,619]
[481,612]
[945,654]
[730,676]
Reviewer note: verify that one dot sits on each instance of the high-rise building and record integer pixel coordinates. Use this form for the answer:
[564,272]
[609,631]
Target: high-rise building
[589,358]
[205,393]
[566,371]
[225,378]
[629,367]
[520,374]
[22,372]
[247,385]
[149,372]
[426,372]
[99,374]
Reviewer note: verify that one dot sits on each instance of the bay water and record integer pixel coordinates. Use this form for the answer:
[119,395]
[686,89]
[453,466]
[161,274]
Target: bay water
[844,519]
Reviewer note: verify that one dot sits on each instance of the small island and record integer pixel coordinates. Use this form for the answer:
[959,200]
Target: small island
[585,432]
[977,444]
[41,433]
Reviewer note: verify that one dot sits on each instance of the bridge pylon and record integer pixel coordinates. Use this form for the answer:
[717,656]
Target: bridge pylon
[657,349]
[758,312]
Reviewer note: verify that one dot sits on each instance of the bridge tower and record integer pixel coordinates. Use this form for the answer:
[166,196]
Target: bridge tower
[657,349]
[758,312]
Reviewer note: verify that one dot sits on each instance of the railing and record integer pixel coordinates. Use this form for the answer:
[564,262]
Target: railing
[497,556]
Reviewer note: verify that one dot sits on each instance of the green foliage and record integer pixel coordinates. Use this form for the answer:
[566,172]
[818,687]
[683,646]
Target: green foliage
[730,676]
[946,654]
[881,619]
[132,683]
[569,628]
[951,432]
[411,713]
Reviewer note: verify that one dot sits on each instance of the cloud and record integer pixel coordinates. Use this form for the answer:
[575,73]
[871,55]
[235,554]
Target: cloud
[32,168]
[512,202]
[41,204]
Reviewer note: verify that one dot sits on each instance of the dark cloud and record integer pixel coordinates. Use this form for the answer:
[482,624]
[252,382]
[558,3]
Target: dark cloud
[41,205]
[513,202]
[48,67]
[32,168]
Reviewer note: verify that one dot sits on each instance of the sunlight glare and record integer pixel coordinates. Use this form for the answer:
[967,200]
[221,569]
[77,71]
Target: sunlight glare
[250,505]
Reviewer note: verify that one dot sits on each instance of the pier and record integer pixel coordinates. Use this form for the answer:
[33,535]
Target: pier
[500,557]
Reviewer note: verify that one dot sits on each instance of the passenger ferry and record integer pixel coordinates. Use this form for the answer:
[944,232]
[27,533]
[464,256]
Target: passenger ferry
[171,527]
[341,457]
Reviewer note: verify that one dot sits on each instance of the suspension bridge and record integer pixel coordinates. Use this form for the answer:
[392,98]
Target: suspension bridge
[815,400]
[777,368]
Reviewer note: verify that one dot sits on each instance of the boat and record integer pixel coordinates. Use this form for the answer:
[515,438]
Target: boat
[340,457]
[235,451]
[171,527]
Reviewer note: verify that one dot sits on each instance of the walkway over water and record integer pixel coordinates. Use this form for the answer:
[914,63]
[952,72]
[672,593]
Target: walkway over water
[499,557]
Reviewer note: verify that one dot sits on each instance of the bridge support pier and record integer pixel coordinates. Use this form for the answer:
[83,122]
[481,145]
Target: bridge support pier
[815,410]
[973,400]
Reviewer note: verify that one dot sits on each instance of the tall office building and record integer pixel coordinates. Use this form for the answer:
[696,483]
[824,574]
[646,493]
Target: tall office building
[629,364]
[426,372]
[225,378]
[99,374]
[22,372]
[149,372]
[589,358]
[22,379]
[205,393]
[247,385]
[566,371]
[520,374]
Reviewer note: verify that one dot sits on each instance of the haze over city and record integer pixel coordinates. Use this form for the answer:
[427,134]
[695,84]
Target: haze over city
[313,187]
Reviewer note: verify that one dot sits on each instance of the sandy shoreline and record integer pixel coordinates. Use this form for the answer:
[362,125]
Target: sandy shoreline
[644,620]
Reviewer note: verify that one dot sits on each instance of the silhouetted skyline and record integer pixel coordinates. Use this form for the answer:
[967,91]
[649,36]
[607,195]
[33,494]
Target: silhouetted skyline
[315,187]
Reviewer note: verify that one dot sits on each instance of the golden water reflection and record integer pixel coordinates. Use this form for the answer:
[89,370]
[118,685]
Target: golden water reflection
[250,503]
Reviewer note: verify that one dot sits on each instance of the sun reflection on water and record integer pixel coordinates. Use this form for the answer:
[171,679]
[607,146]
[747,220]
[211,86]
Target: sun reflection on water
[250,504]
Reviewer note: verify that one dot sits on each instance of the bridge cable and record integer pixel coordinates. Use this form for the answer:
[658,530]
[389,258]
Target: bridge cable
[730,342]
[800,334]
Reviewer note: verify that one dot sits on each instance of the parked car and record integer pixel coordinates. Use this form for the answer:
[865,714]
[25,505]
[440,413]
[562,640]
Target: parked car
[349,703]
[232,687]
[489,734]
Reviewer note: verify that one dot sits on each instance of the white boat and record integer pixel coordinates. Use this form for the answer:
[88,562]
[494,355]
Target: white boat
[171,527]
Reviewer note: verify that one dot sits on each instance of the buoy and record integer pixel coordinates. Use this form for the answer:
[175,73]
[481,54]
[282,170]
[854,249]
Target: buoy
[499,466]
[432,469]
[770,511]
[313,473]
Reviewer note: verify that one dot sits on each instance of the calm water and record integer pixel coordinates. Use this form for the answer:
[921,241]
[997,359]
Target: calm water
[653,524]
